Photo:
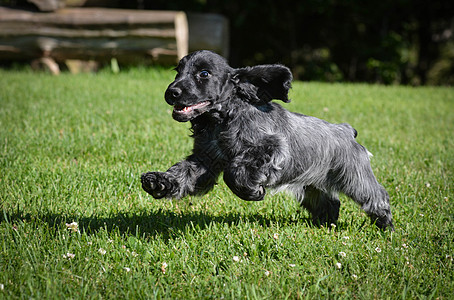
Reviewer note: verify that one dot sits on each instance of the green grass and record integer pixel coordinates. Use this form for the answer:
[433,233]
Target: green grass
[72,149]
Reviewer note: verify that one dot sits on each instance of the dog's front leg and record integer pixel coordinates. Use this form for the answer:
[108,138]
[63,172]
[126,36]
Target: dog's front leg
[246,181]
[252,168]
[193,176]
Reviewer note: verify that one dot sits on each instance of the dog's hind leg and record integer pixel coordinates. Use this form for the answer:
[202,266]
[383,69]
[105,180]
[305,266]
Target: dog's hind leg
[323,207]
[374,200]
[365,190]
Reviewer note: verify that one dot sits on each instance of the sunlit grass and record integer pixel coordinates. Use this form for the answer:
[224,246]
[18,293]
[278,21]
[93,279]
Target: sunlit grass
[72,149]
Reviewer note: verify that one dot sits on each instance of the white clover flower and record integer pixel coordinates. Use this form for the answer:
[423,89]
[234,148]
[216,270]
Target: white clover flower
[276,236]
[69,255]
[236,258]
[127,269]
[292,265]
[102,251]
[163,267]
[354,276]
[338,265]
[267,273]
[74,227]
[342,254]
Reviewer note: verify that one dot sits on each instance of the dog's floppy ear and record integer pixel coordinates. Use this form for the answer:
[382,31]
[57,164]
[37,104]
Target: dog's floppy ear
[263,83]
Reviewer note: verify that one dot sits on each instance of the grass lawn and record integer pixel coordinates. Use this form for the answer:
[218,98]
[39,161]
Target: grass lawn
[72,149]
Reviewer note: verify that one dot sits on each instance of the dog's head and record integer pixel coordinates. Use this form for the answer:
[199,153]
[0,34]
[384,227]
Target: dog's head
[204,81]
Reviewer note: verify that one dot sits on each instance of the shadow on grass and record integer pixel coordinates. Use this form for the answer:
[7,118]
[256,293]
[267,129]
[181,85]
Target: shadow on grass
[163,223]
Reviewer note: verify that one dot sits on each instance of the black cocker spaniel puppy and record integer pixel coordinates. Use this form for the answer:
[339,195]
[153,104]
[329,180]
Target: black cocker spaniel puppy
[258,145]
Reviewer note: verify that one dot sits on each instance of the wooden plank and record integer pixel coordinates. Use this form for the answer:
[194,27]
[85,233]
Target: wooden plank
[8,29]
[89,16]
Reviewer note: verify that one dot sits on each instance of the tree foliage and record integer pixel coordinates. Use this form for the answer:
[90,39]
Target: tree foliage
[387,41]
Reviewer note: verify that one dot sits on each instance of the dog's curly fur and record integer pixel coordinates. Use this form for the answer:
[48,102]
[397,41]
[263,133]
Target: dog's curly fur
[258,145]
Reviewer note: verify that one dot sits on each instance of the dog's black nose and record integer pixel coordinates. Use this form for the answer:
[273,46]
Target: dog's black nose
[174,93]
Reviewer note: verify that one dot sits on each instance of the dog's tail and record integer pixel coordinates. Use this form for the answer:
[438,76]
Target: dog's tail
[350,128]
[355,134]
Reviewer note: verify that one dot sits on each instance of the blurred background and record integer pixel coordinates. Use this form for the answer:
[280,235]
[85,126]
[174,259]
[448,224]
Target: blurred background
[379,41]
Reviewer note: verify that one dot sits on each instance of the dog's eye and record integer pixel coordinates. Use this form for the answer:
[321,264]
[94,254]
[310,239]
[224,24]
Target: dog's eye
[204,74]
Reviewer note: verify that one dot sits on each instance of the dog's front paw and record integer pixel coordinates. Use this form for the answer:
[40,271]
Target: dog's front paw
[245,189]
[155,184]
[254,194]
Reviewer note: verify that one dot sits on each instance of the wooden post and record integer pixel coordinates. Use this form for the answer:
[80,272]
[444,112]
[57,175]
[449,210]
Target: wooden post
[209,32]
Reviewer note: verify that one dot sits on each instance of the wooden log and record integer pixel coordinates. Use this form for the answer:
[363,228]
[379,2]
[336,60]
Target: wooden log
[98,34]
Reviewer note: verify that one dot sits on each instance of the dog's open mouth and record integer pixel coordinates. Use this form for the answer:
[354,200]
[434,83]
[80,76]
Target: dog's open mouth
[190,110]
